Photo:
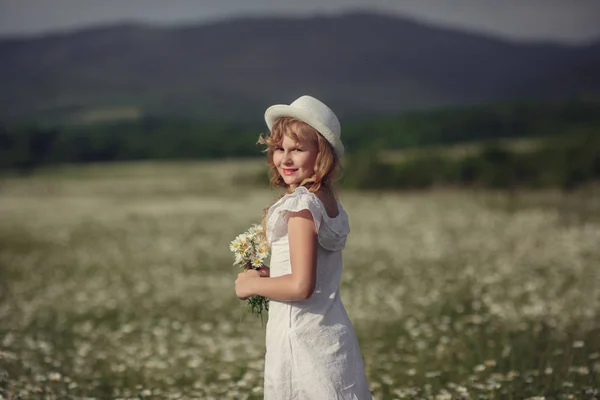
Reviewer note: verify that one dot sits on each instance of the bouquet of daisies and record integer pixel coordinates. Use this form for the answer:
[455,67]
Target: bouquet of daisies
[250,251]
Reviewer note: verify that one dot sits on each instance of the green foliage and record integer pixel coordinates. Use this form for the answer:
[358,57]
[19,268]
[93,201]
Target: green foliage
[149,139]
[26,148]
[564,162]
[473,124]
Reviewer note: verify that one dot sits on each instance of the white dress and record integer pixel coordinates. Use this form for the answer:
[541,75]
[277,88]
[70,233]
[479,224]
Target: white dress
[312,350]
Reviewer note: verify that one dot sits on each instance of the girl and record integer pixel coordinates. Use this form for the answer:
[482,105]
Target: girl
[312,350]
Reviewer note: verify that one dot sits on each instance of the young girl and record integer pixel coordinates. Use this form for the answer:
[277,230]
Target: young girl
[312,350]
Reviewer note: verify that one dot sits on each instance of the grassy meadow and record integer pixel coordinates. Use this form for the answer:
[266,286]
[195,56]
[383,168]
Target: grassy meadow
[116,282]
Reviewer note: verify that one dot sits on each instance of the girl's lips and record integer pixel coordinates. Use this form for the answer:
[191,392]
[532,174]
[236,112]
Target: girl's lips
[289,171]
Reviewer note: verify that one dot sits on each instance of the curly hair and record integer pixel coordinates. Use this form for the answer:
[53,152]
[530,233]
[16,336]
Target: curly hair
[326,164]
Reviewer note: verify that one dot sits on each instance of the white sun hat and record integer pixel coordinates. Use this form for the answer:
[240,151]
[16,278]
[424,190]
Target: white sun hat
[313,112]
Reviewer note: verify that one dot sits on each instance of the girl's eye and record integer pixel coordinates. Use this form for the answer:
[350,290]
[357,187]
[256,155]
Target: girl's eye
[278,148]
[299,150]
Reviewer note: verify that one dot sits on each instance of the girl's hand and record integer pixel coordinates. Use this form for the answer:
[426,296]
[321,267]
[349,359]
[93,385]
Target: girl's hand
[243,283]
[264,271]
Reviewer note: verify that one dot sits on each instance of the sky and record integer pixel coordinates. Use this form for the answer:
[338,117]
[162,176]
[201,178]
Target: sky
[567,21]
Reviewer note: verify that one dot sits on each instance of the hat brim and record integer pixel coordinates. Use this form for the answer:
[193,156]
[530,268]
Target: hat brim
[285,110]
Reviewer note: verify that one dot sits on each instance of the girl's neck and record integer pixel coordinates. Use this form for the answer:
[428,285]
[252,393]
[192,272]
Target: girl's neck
[324,191]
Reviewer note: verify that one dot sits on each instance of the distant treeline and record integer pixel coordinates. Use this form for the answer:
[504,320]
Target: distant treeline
[25,148]
[566,162]
[449,126]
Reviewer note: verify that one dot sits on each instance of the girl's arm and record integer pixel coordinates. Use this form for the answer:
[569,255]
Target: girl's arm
[298,285]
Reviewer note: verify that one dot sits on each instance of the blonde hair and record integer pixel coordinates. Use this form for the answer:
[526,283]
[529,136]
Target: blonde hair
[326,164]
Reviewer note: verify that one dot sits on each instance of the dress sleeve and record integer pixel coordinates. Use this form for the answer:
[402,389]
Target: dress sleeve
[278,215]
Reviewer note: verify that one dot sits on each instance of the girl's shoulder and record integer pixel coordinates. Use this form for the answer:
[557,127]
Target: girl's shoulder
[330,204]
[302,199]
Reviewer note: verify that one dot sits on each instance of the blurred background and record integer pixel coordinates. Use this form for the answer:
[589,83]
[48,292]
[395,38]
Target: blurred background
[89,82]
[128,161]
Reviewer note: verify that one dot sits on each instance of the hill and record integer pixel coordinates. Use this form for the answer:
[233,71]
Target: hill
[362,64]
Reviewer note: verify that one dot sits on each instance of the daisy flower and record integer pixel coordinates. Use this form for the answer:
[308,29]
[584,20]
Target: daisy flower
[250,250]
[234,246]
[261,251]
[256,262]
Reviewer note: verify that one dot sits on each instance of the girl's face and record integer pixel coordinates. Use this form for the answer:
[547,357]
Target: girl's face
[295,160]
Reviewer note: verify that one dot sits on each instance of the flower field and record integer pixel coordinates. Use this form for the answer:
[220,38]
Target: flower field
[116,282]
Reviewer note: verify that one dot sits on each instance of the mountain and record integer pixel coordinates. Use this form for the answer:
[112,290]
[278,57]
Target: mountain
[579,77]
[362,64]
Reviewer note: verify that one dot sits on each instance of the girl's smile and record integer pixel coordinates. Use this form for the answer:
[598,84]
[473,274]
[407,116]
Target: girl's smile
[289,171]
